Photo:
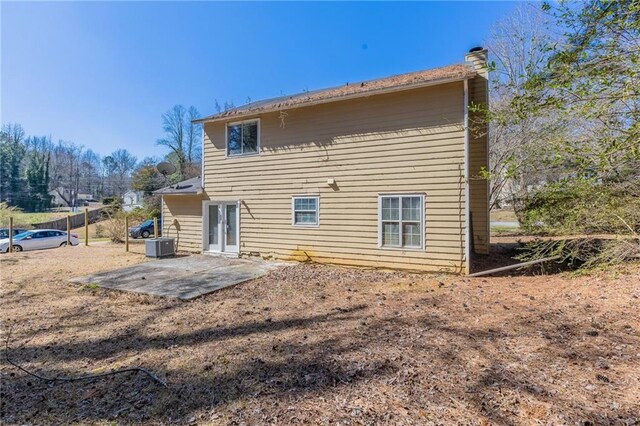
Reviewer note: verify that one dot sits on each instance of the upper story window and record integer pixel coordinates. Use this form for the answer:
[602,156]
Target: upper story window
[243,138]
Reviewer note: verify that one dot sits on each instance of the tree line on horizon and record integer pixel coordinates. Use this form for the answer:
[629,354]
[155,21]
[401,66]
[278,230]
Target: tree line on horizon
[33,169]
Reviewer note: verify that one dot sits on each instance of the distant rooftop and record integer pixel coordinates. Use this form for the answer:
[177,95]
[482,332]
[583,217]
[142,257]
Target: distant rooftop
[350,90]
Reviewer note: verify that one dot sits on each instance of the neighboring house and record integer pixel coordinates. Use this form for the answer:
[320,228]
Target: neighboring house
[132,200]
[59,195]
[86,198]
[381,173]
[56,198]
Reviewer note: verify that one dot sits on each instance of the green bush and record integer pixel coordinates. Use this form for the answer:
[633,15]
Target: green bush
[113,205]
[138,214]
[152,203]
[584,206]
[114,227]
[111,200]
[100,230]
[601,221]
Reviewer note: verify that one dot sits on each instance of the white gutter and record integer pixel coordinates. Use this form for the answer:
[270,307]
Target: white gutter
[467,232]
[334,99]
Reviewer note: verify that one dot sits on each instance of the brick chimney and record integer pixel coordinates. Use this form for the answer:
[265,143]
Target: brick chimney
[477,156]
[477,56]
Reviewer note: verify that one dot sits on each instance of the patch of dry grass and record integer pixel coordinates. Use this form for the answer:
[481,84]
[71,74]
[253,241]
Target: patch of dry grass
[312,344]
[503,215]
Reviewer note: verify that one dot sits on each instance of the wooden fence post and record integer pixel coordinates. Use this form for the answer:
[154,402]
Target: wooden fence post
[155,227]
[68,230]
[86,226]
[11,235]
[126,233]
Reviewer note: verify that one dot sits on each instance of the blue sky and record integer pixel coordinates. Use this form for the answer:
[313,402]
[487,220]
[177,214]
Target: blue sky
[101,74]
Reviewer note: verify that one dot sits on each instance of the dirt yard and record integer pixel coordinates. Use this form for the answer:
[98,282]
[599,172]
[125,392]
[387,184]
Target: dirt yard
[314,344]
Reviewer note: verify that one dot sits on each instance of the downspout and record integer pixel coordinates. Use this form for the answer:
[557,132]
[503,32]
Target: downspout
[467,220]
[202,156]
[203,179]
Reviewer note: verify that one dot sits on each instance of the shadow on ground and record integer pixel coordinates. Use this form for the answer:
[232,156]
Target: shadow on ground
[420,358]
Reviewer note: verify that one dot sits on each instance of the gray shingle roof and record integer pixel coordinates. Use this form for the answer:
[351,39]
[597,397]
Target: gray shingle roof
[189,186]
[350,90]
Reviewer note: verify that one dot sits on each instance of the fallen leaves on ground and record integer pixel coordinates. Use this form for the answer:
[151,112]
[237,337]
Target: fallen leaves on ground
[313,344]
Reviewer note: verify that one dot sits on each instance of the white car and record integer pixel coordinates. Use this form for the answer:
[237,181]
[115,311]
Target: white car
[38,239]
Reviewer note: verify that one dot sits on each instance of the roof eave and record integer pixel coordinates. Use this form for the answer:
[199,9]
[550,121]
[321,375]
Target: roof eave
[198,191]
[336,99]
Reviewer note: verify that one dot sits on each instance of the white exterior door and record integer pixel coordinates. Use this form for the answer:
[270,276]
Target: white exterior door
[211,229]
[221,227]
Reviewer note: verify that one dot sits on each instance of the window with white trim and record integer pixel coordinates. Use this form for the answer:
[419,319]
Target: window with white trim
[304,211]
[401,221]
[243,138]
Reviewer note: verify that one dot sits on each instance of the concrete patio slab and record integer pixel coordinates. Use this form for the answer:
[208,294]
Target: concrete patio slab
[182,277]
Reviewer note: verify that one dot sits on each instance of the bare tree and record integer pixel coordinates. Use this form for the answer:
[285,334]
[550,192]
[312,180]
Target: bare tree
[38,161]
[194,136]
[65,171]
[32,169]
[91,174]
[182,137]
[517,45]
[119,166]
[174,139]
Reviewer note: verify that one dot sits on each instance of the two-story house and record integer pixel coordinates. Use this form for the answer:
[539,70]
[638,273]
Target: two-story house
[380,173]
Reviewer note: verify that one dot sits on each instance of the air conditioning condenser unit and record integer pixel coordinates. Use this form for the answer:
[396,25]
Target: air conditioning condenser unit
[159,247]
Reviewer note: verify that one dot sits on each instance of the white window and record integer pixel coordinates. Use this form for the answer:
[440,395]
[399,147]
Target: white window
[304,211]
[243,138]
[401,221]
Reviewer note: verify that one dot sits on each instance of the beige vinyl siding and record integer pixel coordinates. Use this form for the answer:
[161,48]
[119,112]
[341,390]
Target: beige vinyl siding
[187,209]
[479,158]
[399,143]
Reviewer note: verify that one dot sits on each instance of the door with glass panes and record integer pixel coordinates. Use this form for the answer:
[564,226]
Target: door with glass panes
[222,227]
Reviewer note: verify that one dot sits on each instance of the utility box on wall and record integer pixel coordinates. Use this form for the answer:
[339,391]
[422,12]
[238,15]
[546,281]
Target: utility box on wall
[159,247]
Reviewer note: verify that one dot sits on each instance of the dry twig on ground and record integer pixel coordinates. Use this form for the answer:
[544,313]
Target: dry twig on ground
[78,378]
